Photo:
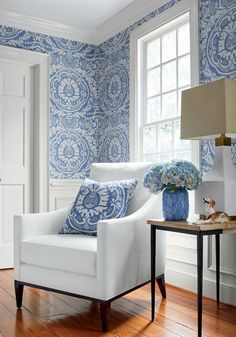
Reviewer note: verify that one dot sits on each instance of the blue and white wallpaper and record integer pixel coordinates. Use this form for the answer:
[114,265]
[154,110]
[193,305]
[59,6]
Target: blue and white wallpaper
[90,87]
[217,54]
[74,99]
[114,119]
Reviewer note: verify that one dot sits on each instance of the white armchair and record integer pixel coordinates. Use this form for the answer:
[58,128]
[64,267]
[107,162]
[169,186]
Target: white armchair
[100,268]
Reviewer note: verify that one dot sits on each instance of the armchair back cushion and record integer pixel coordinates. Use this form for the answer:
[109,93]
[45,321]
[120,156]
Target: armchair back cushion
[116,171]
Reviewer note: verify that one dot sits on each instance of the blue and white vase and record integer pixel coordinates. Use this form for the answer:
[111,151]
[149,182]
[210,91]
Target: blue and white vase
[175,205]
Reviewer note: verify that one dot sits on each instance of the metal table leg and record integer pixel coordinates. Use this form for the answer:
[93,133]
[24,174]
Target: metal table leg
[199,280]
[217,241]
[153,268]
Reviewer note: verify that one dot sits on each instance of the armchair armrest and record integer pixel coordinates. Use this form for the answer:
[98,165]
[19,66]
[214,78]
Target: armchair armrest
[30,225]
[124,249]
[35,224]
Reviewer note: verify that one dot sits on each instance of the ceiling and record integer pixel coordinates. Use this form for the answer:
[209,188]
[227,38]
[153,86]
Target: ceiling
[88,14]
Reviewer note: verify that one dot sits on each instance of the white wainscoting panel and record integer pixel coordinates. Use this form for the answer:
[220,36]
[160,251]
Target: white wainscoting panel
[228,254]
[63,192]
[181,265]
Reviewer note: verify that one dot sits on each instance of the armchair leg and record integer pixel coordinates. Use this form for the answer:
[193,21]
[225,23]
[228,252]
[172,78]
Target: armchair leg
[19,293]
[161,284]
[105,310]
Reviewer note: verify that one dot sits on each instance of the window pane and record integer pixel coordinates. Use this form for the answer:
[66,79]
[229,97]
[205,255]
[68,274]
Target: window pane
[169,105]
[183,39]
[164,137]
[149,139]
[153,53]
[182,156]
[153,82]
[150,158]
[154,109]
[184,71]
[169,46]
[164,157]
[180,98]
[169,76]
[180,144]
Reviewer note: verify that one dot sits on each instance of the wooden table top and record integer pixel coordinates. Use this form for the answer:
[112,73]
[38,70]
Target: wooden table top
[190,226]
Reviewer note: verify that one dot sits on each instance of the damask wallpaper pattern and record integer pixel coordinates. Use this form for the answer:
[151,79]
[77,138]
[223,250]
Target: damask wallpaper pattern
[74,99]
[114,119]
[217,54]
[90,87]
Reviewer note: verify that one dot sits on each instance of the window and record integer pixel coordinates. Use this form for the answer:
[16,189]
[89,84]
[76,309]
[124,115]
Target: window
[164,64]
[166,72]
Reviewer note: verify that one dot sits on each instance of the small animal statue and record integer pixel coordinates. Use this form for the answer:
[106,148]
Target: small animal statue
[212,216]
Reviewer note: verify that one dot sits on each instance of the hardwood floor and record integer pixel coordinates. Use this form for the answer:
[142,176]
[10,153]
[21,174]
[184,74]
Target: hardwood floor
[47,314]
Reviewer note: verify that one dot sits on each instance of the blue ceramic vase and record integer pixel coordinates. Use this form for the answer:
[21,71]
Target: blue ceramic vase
[175,205]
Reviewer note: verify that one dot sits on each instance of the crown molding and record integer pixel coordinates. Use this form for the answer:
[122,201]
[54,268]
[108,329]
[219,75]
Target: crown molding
[126,17]
[38,25]
[123,19]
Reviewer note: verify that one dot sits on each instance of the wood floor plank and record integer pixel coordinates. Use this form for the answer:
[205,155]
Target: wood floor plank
[185,315]
[46,314]
[10,327]
[25,317]
[120,316]
[70,326]
[91,315]
[164,322]
[189,299]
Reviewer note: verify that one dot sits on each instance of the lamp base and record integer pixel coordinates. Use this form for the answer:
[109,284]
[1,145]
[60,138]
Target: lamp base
[223,140]
[219,184]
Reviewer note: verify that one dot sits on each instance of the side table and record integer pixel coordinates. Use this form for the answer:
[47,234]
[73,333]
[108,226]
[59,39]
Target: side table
[187,227]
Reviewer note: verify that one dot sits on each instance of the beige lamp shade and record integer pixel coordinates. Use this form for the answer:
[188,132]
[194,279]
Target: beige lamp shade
[209,110]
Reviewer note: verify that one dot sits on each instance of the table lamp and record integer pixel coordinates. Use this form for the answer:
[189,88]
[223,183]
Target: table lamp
[209,112]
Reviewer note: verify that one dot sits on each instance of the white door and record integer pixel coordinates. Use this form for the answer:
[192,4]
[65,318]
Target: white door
[16,151]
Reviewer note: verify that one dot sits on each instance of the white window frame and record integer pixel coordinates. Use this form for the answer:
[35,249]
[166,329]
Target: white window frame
[190,6]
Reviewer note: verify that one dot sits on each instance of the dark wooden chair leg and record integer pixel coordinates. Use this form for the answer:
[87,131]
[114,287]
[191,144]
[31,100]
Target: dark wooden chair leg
[105,310]
[19,294]
[161,284]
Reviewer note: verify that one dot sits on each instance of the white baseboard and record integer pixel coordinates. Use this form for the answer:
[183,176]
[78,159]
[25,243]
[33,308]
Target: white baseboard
[189,282]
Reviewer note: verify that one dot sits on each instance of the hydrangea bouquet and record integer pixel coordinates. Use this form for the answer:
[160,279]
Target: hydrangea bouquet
[175,178]
[173,175]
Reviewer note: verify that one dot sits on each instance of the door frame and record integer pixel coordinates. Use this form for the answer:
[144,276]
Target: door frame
[40,62]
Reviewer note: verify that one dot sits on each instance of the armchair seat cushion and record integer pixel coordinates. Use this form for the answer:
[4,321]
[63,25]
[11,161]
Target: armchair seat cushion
[72,253]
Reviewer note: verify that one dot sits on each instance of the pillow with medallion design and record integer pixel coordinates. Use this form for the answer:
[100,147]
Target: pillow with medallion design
[98,201]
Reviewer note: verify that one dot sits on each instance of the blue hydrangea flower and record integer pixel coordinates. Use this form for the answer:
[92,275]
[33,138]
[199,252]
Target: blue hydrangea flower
[172,175]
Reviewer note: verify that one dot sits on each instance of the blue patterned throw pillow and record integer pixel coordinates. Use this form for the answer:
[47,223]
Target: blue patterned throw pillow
[98,201]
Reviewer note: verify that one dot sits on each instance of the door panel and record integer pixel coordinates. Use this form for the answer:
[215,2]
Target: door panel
[13,124]
[13,85]
[13,203]
[16,151]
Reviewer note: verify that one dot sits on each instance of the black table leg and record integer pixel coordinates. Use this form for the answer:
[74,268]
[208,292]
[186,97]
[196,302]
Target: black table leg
[218,268]
[153,268]
[199,280]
